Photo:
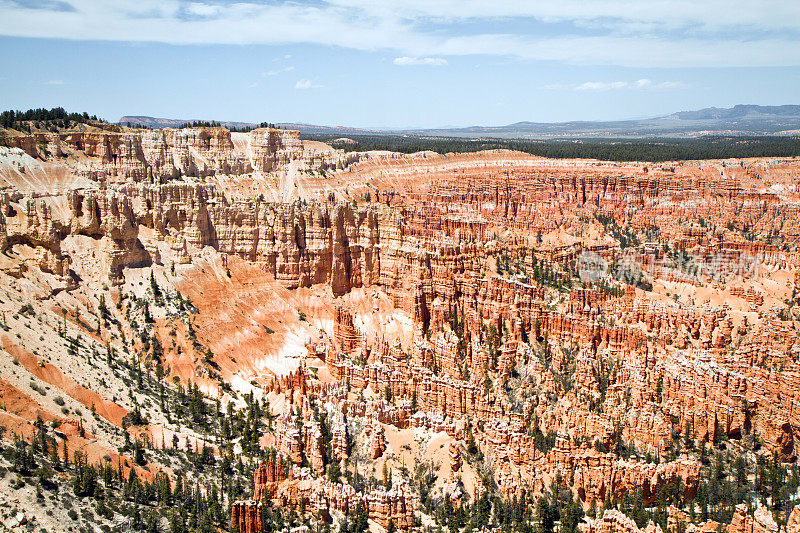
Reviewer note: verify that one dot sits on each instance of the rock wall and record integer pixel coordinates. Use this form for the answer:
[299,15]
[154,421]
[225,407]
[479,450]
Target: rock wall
[165,154]
[321,497]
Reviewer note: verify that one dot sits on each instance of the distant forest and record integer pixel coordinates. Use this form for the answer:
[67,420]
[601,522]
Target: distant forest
[653,150]
[9,118]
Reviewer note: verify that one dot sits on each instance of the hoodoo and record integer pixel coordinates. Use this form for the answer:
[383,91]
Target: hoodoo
[210,330]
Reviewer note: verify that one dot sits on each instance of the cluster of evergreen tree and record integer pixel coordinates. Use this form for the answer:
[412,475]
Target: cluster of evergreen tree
[245,129]
[192,507]
[653,150]
[728,484]
[543,443]
[8,119]
[556,510]
[558,506]
[611,290]
[201,124]
[244,424]
[539,273]
[215,124]
[457,326]
[626,236]
[511,266]
[544,275]
[357,522]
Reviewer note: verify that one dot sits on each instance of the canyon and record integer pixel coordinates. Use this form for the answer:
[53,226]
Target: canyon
[332,335]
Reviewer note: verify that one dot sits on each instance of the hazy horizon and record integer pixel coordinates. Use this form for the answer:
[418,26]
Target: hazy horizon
[401,128]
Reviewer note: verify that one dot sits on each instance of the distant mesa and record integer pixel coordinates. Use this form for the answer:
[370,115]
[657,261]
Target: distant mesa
[740,111]
[736,120]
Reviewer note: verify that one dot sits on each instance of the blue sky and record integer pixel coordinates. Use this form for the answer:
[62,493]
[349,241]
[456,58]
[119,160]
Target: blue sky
[411,63]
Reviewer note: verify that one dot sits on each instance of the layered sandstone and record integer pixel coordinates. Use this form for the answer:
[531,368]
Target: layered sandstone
[434,296]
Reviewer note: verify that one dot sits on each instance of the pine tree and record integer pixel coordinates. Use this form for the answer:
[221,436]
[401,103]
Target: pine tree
[545,515]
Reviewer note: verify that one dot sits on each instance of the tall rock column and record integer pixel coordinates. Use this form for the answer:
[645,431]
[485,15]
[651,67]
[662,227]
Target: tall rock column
[341,265]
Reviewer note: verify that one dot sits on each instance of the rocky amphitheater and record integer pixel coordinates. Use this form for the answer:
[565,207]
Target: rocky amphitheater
[214,331]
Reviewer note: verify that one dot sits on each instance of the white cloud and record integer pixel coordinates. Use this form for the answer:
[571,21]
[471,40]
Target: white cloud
[642,84]
[279,71]
[406,61]
[669,85]
[601,86]
[54,82]
[202,10]
[634,33]
[306,84]
[648,84]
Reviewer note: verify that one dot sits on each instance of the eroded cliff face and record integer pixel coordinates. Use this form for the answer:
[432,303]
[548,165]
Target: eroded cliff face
[161,155]
[324,498]
[506,322]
